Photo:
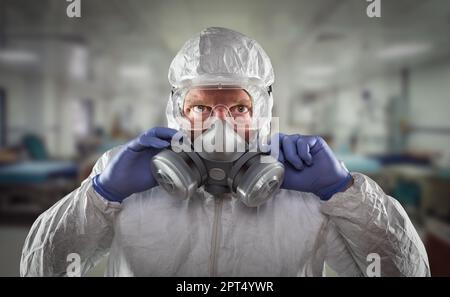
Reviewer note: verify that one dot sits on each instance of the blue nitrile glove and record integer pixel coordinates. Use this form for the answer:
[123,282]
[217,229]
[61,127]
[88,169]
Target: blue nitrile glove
[311,166]
[129,172]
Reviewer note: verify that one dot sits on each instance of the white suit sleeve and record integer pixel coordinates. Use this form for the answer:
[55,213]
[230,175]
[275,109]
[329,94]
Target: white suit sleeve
[373,223]
[338,256]
[81,222]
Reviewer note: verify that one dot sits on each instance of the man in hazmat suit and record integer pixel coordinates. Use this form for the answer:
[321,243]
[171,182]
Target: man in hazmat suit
[321,214]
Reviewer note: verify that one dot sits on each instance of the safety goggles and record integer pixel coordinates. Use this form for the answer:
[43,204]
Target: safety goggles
[254,115]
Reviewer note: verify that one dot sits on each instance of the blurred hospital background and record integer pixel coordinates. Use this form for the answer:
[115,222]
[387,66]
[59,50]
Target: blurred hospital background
[378,90]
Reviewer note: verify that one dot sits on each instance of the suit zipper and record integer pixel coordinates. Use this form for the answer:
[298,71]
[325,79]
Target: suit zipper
[215,240]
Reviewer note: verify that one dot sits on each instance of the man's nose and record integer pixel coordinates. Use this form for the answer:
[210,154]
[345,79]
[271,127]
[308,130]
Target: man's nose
[221,112]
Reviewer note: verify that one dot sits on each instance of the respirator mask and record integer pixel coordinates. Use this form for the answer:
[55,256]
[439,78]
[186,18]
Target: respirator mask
[220,150]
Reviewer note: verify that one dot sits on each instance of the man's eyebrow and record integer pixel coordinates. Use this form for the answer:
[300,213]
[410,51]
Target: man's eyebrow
[243,101]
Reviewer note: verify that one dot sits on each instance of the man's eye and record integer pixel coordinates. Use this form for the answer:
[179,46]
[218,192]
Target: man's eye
[200,108]
[241,108]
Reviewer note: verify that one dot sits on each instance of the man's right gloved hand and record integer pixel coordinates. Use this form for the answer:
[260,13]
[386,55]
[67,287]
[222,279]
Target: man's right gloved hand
[129,172]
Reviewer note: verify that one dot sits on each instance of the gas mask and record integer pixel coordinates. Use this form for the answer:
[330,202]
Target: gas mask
[222,161]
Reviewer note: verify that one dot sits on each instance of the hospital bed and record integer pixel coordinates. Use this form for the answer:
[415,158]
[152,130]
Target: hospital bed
[30,187]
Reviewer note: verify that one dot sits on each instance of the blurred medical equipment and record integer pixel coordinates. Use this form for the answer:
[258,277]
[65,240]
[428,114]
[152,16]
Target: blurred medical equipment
[30,186]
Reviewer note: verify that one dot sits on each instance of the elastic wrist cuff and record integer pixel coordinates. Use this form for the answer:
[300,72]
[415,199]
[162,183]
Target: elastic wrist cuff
[341,186]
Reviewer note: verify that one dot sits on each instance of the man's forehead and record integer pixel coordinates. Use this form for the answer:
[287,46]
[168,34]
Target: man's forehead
[213,95]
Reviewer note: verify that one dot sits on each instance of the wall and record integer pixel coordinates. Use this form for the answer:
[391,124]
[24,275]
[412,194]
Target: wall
[24,104]
[343,112]
[430,106]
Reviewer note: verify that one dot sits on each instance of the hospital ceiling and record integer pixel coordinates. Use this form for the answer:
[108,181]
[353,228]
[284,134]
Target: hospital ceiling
[320,40]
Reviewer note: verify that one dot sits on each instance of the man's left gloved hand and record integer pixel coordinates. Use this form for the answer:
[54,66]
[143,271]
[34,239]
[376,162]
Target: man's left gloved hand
[311,166]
